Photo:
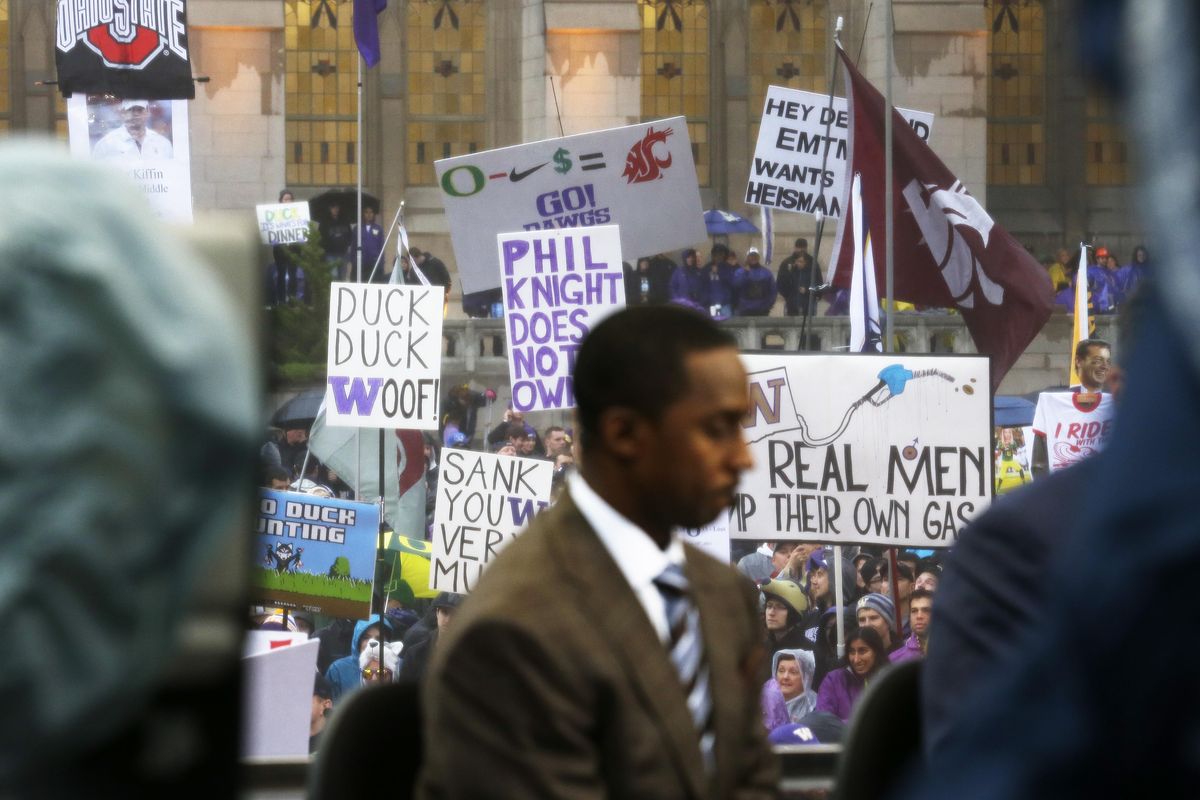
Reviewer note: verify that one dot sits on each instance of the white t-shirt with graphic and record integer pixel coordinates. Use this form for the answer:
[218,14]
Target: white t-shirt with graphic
[1073,432]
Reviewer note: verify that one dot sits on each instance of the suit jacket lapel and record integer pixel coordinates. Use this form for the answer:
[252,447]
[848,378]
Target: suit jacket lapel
[632,638]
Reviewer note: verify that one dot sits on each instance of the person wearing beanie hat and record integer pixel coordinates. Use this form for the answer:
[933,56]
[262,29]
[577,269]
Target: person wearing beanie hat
[754,287]
[820,583]
[784,611]
[878,612]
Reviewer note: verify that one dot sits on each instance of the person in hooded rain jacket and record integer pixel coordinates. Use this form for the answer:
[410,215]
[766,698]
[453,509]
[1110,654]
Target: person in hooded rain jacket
[689,285]
[788,696]
[345,674]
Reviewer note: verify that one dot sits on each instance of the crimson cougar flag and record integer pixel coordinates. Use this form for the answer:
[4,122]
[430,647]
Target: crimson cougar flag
[124,48]
[949,251]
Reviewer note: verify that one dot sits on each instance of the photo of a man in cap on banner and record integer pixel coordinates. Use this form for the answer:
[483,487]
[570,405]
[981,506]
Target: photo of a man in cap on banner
[134,138]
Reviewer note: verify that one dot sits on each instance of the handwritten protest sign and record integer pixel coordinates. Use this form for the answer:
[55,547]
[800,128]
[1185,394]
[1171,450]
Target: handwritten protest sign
[893,450]
[557,285]
[640,177]
[482,501]
[385,356]
[283,223]
[790,170]
[314,553]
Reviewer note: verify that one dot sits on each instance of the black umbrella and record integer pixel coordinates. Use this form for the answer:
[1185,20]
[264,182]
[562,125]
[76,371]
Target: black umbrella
[318,207]
[300,411]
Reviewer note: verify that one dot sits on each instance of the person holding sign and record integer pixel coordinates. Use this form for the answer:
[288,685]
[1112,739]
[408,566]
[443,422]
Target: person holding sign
[639,674]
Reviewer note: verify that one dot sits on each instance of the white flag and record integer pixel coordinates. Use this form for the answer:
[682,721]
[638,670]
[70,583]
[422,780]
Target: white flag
[864,298]
[354,454]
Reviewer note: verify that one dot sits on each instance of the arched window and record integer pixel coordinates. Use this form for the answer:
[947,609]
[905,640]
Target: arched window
[445,42]
[1016,130]
[675,70]
[787,48]
[320,85]
[1107,162]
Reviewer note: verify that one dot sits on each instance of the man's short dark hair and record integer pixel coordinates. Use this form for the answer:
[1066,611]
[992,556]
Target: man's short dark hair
[1081,349]
[515,430]
[919,594]
[635,359]
[553,429]
[802,242]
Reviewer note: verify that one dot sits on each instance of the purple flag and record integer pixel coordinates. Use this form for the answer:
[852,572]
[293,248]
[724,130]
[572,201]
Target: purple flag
[366,28]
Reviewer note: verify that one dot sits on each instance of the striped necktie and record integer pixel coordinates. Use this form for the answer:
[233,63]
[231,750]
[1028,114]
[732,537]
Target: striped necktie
[687,654]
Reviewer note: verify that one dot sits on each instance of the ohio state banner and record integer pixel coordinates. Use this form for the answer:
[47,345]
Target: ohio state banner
[124,48]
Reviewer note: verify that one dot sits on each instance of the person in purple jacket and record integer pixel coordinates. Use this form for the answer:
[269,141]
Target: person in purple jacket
[754,287]
[920,610]
[688,286]
[865,657]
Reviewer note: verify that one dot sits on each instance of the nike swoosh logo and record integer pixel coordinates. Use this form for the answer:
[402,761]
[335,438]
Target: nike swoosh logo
[515,176]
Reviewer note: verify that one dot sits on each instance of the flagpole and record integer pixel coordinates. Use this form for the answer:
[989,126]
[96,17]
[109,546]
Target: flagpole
[809,301]
[888,209]
[358,256]
[889,254]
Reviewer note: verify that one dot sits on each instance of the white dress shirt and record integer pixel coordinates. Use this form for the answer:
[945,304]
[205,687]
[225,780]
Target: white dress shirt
[637,556]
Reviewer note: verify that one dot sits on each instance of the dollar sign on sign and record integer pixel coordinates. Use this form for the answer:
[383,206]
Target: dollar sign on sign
[562,164]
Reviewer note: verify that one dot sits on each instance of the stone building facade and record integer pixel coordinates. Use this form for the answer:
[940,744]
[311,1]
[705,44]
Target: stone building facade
[1013,116]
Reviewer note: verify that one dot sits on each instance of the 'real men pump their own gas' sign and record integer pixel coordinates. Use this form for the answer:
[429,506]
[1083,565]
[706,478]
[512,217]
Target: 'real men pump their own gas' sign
[894,450]
[557,285]
[385,356]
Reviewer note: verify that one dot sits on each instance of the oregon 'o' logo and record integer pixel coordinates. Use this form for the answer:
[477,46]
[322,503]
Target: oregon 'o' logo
[463,187]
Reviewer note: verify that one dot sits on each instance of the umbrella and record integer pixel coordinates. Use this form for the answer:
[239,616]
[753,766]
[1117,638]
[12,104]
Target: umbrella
[410,564]
[318,207]
[300,411]
[720,222]
[1010,411]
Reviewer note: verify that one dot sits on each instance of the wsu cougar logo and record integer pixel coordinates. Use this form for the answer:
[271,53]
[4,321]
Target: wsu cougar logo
[126,34]
[940,218]
[642,164]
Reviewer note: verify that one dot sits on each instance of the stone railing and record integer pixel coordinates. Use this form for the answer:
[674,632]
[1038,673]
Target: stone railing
[474,349]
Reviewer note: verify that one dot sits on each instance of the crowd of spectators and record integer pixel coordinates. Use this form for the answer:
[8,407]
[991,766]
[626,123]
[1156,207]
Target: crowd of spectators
[1109,283]
[812,689]
[727,286]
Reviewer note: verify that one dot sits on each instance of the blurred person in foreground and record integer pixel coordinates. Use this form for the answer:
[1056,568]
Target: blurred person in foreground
[129,411]
[639,675]
[1096,729]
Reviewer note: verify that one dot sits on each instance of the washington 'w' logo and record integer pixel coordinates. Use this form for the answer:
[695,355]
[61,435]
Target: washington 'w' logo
[761,406]
[940,213]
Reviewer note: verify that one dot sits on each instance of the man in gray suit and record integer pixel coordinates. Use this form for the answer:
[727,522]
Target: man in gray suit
[600,656]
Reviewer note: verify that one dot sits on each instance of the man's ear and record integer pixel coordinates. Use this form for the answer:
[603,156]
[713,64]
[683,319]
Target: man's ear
[624,432]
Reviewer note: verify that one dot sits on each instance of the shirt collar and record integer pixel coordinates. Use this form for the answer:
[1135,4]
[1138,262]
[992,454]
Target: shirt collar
[637,556]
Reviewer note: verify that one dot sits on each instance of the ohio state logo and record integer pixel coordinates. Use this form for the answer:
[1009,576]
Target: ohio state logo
[126,34]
